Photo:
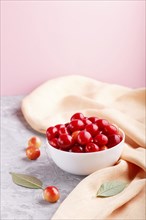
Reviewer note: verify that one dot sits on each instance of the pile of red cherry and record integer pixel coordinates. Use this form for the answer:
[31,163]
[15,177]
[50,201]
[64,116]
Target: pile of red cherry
[83,135]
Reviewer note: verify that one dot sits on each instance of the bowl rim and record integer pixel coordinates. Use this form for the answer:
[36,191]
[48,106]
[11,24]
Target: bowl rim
[89,153]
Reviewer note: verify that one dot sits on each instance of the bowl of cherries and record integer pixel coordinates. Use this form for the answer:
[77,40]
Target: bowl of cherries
[85,144]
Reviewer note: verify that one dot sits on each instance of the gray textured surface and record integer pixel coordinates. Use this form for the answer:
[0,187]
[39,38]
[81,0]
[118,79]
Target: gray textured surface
[18,202]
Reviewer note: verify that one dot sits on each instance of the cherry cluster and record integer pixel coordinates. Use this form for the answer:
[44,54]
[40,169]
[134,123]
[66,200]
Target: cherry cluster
[83,135]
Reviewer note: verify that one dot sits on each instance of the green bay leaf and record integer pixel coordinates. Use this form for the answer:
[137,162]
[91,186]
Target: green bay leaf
[26,181]
[111,188]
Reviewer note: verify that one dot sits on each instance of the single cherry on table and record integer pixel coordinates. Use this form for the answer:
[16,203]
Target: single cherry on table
[51,194]
[34,141]
[32,152]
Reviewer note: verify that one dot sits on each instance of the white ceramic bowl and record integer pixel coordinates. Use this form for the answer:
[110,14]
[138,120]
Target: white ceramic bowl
[86,163]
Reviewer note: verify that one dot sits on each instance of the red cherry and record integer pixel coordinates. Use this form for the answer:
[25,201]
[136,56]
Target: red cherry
[77,115]
[101,123]
[111,129]
[92,129]
[63,130]
[51,132]
[113,140]
[103,148]
[77,149]
[59,126]
[34,141]
[32,152]
[86,121]
[76,125]
[65,141]
[93,119]
[51,194]
[84,137]
[54,143]
[91,147]
[101,139]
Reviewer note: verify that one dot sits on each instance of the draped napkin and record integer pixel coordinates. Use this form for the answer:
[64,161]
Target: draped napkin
[55,101]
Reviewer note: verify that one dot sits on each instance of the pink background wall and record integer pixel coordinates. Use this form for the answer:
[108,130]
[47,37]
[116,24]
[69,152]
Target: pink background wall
[46,39]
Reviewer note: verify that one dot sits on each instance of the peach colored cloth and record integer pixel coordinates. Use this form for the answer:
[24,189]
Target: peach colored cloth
[55,101]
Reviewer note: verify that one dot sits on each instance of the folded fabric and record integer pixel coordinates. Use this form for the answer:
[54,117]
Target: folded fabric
[55,101]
